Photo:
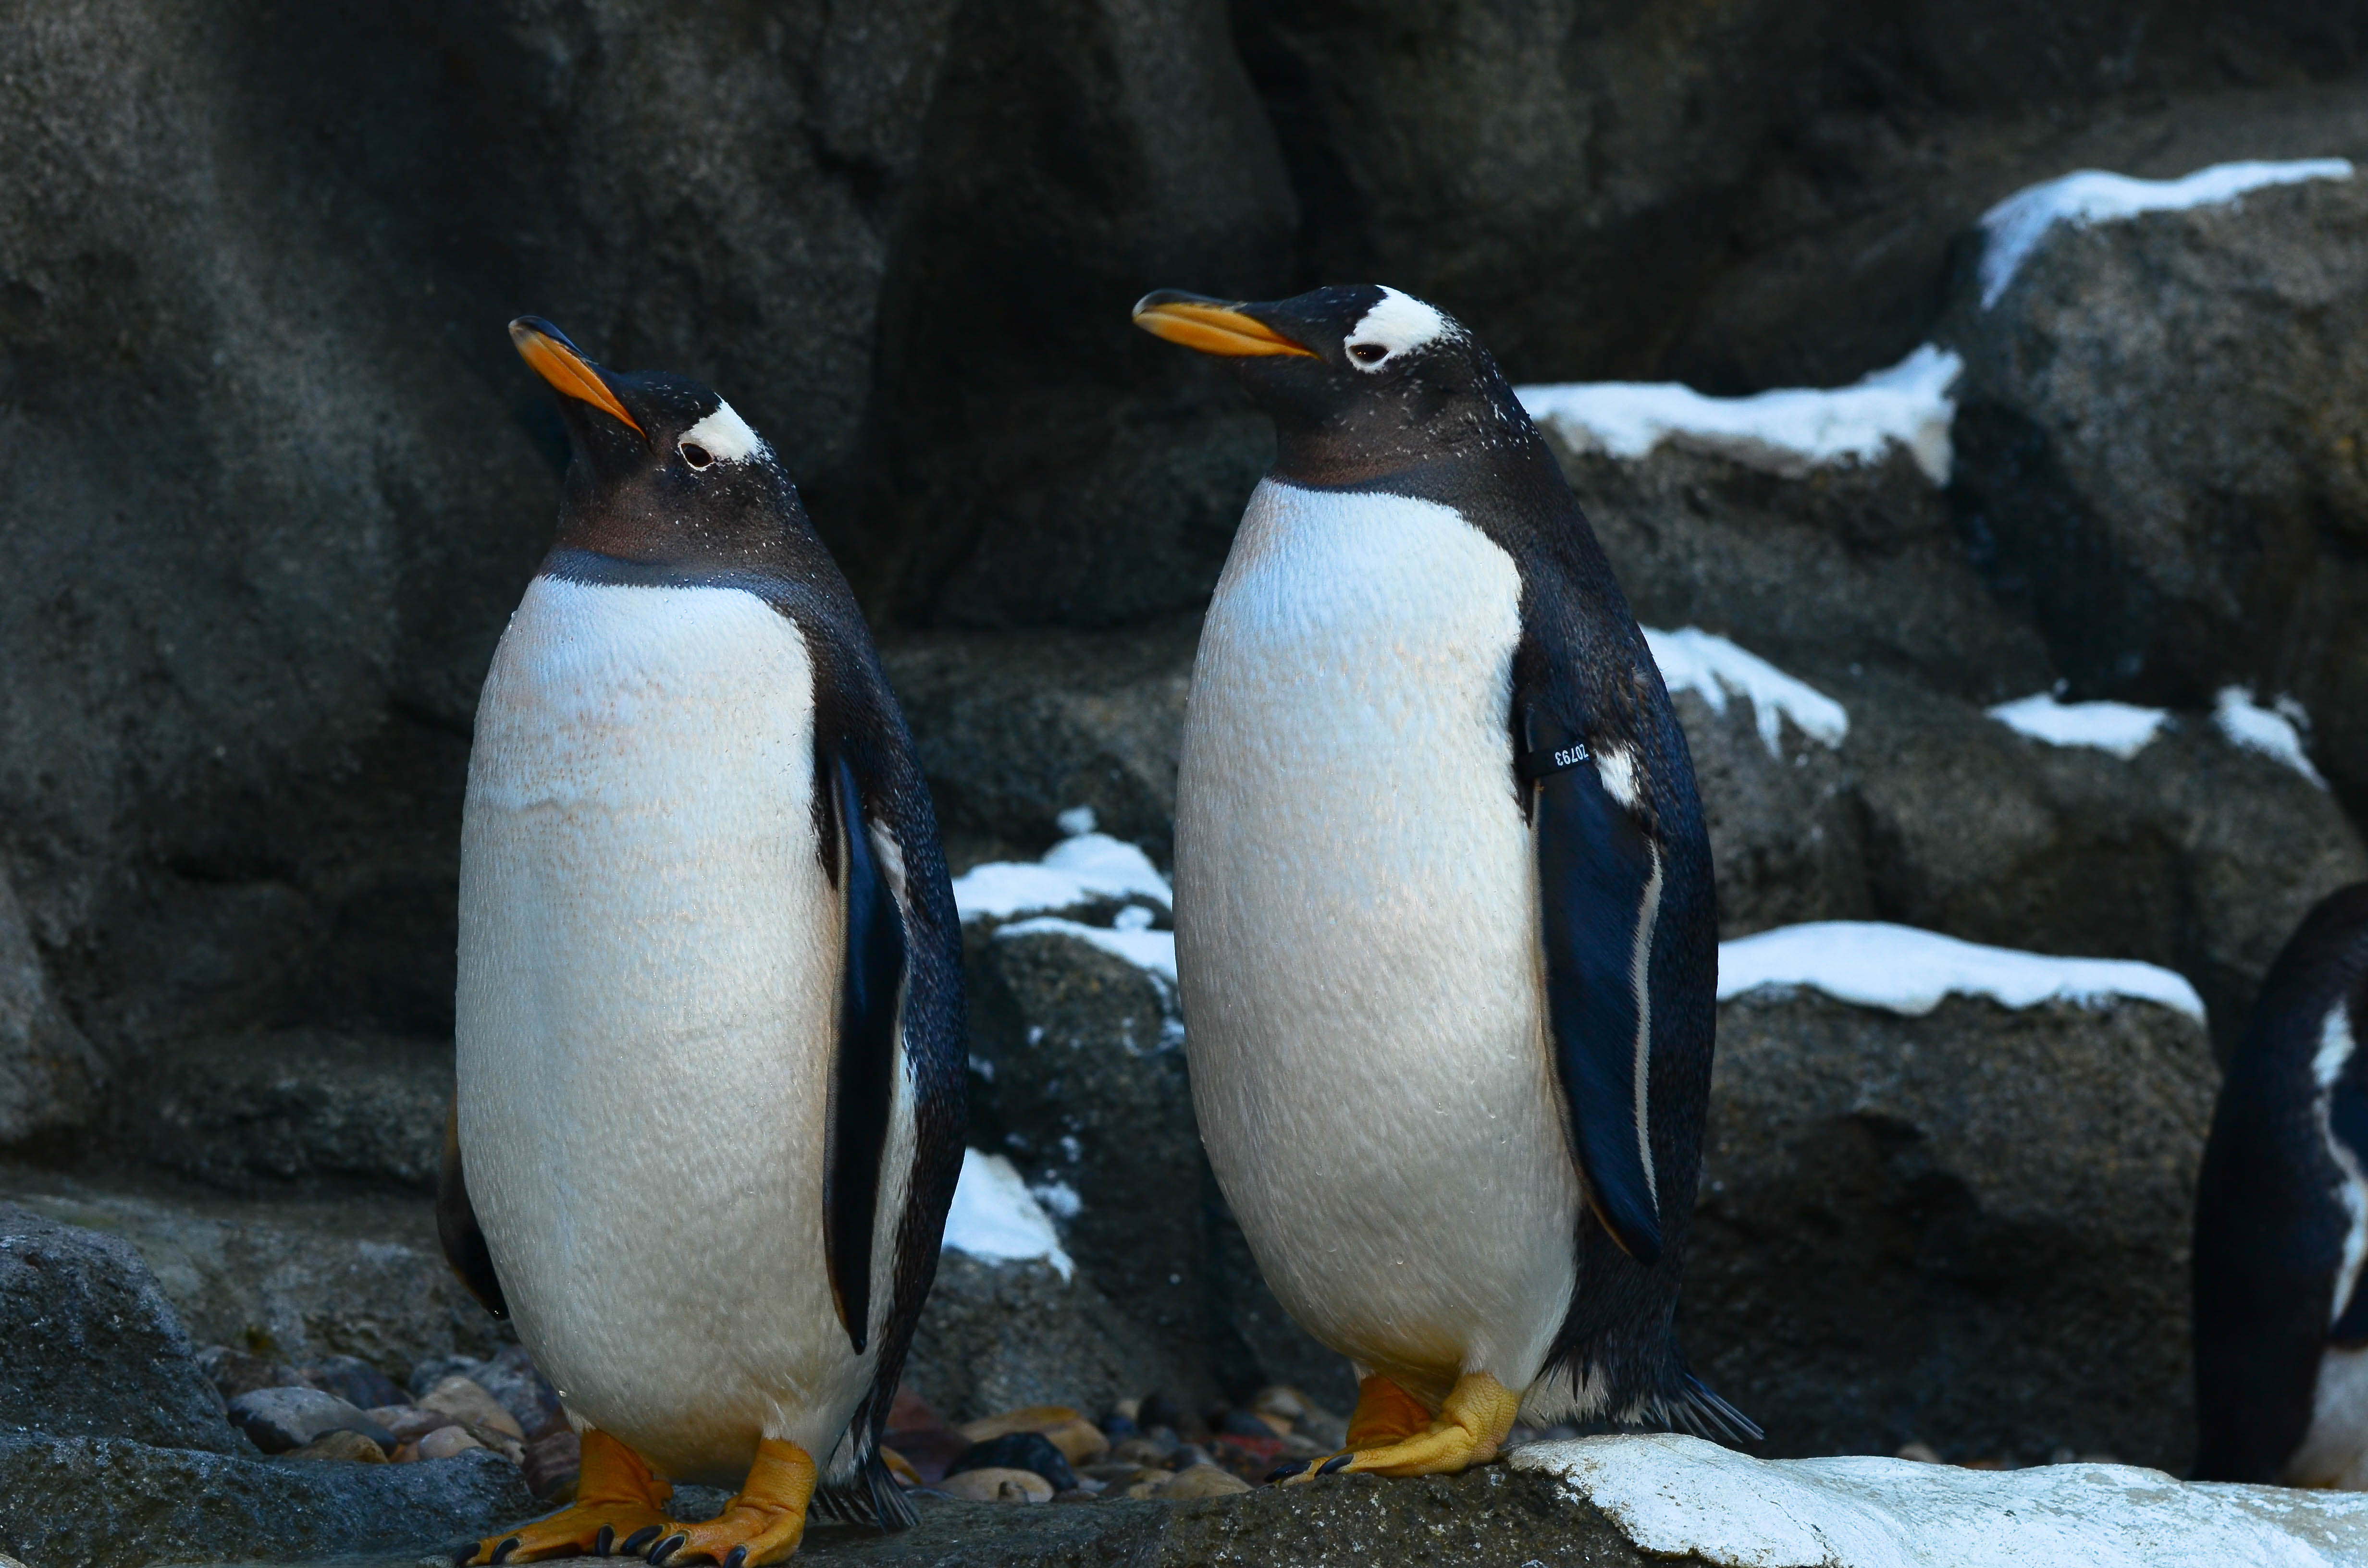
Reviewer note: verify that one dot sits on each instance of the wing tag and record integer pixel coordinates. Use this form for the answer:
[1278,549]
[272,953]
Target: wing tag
[1531,767]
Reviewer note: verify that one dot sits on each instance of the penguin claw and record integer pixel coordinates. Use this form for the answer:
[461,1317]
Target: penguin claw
[1285,1471]
[1337,1464]
[635,1544]
[762,1525]
[667,1547]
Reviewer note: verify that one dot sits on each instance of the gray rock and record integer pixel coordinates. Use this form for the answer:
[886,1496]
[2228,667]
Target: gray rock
[996,1335]
[509,1376]
[1969,1228]
[246,1111]
[100,1503]
[292,1280]
[2157,439]
[2197,854]
[1835,189]
[352,1379]
[89,1346]
[1844,564]
[49,1073]
[1013,729]
[1067,161]
[235,1372]
[278,1419]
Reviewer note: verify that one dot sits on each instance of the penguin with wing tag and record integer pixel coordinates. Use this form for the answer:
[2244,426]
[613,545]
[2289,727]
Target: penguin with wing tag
[710,1013]
[1444,916]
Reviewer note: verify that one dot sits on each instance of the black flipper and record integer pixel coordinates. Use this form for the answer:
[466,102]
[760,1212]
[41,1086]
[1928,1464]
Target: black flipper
[456,1226]
[863,1069]
[1599,881]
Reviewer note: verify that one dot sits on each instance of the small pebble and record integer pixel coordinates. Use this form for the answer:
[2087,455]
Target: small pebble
[1199,1480]
[467,1398]
[351,1447]
[446,1441]
[1141,1450]
[235,1372]
[1922,1453]
[354,1380]
[278,1419]
[408,1422]
[1018,1451]
[999,1485]
[1078,1439]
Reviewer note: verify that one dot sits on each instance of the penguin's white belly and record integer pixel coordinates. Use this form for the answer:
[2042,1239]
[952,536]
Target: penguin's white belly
[1358,939]
[649,963]
[2334,1451]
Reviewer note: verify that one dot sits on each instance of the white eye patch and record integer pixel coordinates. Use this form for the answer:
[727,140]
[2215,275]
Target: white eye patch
[1398,326]
[724,436]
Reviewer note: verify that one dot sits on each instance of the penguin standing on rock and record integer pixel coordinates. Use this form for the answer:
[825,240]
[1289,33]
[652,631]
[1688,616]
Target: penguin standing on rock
[1444,919]
[2282,1223]
[710,1012]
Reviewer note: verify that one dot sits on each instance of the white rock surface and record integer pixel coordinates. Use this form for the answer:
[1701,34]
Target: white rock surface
[1908,970]
[1711,667]
[1675,1494]
[1789,430]
[2012,229]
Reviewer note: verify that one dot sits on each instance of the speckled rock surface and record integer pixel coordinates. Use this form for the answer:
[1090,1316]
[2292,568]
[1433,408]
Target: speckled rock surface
[97,1503]
[294,1279]
[1969,1228]
[89,1346]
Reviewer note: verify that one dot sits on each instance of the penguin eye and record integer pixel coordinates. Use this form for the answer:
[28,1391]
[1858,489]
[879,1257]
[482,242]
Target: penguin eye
[695,455]
[1367,353]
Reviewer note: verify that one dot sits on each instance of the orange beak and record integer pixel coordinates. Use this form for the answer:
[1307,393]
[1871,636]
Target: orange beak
[1211,327]
[570,374]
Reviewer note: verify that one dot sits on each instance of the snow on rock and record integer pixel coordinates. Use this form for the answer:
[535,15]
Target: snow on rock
[1909,971]
[1710,666]
[1788,431]
[1080,869]
[2120,728]
[1674,1495]
[997,1218]
[2013,228]
[1146,949]
[2275,732]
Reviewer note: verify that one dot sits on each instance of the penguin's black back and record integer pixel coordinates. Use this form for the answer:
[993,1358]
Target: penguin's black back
[2269,1220]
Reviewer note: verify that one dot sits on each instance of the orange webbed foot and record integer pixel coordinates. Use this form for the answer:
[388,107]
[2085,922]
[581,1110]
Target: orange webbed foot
[619,1506]
[763,1524]
[1393,1434]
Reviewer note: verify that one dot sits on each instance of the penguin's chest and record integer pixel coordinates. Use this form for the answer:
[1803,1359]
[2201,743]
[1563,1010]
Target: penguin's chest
[1357,936]
[649,957]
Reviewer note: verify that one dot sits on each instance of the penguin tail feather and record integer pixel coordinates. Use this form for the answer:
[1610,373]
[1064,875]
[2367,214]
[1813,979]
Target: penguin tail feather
[871,1496]
[1698,1410]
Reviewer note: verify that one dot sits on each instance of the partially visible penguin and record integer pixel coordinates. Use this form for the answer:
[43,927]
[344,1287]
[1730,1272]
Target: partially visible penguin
[710,1012]
[1444,920]
[2282,1223]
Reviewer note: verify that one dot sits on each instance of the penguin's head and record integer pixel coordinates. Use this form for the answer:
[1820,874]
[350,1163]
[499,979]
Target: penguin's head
[662,469]
[1359,378]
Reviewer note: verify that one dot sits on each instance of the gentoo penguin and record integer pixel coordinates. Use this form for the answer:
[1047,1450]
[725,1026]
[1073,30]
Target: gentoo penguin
[1444,923]
[710,1012]
[2282,1223]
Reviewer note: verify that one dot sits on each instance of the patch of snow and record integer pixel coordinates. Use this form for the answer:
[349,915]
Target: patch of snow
[1787,431]
[1151,950]
[1675,1495]
[1710,666]
[1058,1198]
[2013,228]
[1908,970]
[1080,869]
[2120,728]
[1075,821]
[994,1217]
[2275,732]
